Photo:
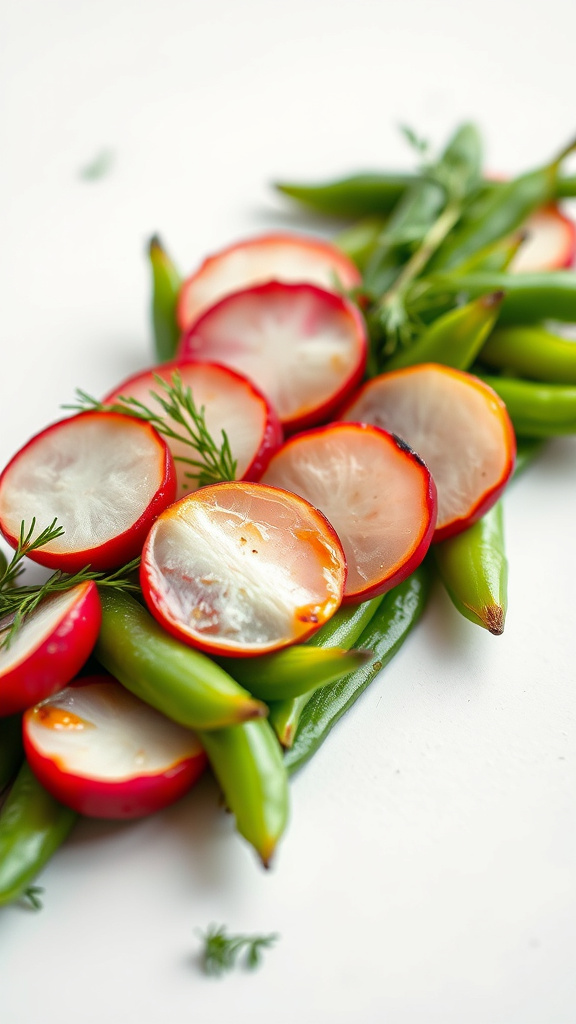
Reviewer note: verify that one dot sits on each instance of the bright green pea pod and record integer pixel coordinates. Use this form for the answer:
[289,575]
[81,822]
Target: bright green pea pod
[342,630]
[455,338]
[474,570]
[11,749]
[528,297]
[247,761]
[391,624]
[293,671]
[531,352]
[166,283]
[537,410]
[359,241]
[360,195]
[32,827]
[186,685]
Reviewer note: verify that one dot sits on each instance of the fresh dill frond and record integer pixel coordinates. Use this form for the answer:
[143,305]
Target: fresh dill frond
[221,951]
[27,542]
[213,464]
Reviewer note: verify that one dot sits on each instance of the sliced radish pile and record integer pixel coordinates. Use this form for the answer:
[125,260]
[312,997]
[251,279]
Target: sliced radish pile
[231,403]
[49,648]
[378,495]
[106,754]
[103,476]
[242,569]
[277,257]
[303,346]
[550,242]
[456,423]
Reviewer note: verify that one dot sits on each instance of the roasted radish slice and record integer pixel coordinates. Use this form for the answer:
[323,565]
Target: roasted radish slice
[242,568]
[550,243]
[378,495]
[103,476]
[456,423]
[107,754]
[278,257]
[231,404]
[49,648]
[303,346]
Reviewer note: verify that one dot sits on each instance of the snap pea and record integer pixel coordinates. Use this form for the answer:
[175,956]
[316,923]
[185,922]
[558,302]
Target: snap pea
[356,196]
[384,635]
[183,683]
[32,827]
[293,671]
[247,761]
[342,630]
[537,410]
[474,570]
[166,283]
[454,338]
[528,298]
[11,749]
[531,351]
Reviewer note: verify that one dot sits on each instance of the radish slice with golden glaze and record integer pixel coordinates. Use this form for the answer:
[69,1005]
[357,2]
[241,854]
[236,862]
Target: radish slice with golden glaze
[550,243]
[103,476]
[376,492]
[231,403]
[107,754]
[242,568]
[304,347]
[456,423]
[49,648]
[274,257]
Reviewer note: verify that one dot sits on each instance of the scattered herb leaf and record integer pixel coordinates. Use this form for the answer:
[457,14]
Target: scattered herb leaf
[221,951]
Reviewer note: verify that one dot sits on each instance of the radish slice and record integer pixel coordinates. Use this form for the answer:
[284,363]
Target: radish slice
[242,569]
[278,257]
[550,242]
[49,648]
[457,424]
[103,476]
[231,403]
[107,754]
[303,346]
[378,495]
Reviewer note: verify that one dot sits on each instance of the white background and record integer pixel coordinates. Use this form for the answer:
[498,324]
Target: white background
[428,874]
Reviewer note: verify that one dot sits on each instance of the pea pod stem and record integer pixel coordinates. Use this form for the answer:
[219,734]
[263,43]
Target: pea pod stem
[384,635]
[166,283]
[32,827]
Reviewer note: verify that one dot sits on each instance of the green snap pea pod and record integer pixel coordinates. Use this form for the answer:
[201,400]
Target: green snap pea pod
[293,671]
[531,351]
[166,283]
[11,749]
[183,683]
[342,630]
[537,410]
[247,762]
[356,196]
[474,570]
[453,339]
[528,297]
[32,827]
[384,635]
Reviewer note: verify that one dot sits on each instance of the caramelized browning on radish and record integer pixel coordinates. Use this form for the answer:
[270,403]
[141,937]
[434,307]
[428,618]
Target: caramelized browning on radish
[303,346]
[277,257]
[242,569]
[456,423]
[378,495]
[103,476]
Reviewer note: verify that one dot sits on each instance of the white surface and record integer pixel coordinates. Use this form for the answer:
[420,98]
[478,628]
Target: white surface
[428,872]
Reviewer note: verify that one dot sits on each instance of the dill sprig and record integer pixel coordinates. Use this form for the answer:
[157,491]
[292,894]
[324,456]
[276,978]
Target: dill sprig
[213,463]
[221,951]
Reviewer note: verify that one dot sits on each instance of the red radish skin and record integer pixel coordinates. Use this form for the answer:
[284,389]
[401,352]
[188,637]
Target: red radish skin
[49,648]
[274,257]
[376,492]
[76,471]
[439,411]
[106,754]
[303,346]
[231,403]
[242,569]
[550,242]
